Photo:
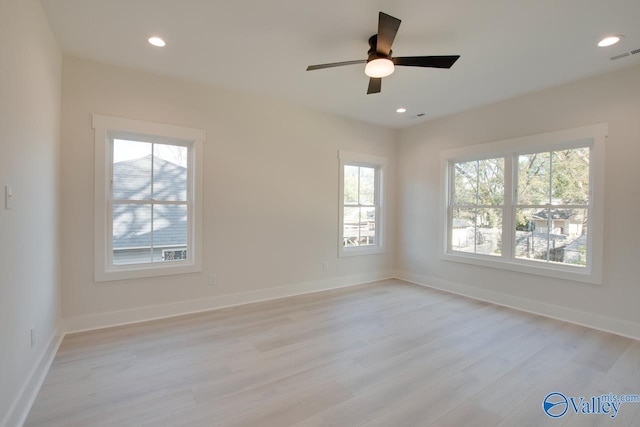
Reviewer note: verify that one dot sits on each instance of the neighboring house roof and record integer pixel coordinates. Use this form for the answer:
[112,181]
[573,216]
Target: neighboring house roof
[132,179]
[131,223]
[536,242]
[523,235]
[578,243]
[555,214]
[458,223]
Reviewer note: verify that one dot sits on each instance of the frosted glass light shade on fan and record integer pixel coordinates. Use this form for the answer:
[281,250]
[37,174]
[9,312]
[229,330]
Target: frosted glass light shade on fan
[378,68]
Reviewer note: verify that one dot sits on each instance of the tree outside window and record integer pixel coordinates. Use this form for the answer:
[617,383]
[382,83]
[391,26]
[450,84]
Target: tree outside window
[476,212]
[552,206]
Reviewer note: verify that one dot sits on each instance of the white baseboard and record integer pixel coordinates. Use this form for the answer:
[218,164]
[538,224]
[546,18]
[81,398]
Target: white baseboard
[21,406]
[590,320]
[141,314]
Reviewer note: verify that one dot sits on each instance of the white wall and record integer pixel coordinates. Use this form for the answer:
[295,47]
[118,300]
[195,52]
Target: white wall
[30,78]
[612,98]
[270,196]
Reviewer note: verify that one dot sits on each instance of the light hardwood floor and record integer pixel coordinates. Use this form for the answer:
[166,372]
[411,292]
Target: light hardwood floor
[382,354]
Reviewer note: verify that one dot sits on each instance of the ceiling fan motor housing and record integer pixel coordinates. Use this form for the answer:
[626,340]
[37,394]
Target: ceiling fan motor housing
[373,50]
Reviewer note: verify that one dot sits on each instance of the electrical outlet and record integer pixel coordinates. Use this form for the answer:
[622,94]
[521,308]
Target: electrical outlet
[212,280]
[33,337]
[325,266]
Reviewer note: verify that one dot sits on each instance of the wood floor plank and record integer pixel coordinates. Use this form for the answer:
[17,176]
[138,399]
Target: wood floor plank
[516,386]
[430,402]
[468,413]
[380,354]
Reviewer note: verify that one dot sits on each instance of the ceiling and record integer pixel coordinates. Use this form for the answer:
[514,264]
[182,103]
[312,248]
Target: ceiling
[507,47]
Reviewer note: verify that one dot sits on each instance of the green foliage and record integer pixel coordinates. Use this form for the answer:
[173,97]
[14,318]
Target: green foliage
[359,185]
[479,182]
[558,177]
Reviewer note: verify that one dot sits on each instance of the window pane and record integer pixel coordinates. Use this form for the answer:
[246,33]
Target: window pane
[534,180]
[169,172]
[532,233]
[351,227]
[131,234]
[491,182]
[489,231]
[351,185]
[367,186]
[574,249]
[463,233]
[367,226]
[169,228]
[570,170]
[465,183]
[556,235]
[566,226]
[131,170]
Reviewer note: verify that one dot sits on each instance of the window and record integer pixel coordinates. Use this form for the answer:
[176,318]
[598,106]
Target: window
[361,212]
[551,217]
[148,207]
[477,205]
[532,204]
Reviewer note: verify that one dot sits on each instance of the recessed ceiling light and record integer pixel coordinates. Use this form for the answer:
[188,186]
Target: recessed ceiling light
[401,110]
[157,41]
[609,41]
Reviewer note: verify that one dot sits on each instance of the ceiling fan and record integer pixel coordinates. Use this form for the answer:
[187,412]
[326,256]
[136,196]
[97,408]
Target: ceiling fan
[380,63]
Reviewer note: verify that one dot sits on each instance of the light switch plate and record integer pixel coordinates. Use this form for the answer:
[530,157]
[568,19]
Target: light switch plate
[8,194]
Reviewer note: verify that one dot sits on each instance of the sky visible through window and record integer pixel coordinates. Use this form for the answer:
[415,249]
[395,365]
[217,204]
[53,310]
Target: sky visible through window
[128,150]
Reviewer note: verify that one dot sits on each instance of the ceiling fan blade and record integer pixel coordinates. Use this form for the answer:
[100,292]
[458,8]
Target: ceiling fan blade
[426,61]
[375,85]
[387,29]
[335,64]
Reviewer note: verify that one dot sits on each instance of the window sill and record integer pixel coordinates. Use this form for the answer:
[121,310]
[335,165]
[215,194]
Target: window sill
[356,251]
[564,272]
[139,271]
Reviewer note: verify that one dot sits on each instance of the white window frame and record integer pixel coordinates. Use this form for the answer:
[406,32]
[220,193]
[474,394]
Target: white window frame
[594,137]
[108,128]
[379,163]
